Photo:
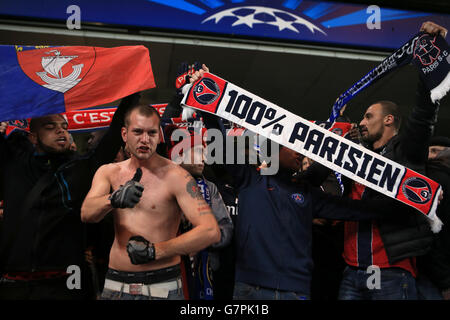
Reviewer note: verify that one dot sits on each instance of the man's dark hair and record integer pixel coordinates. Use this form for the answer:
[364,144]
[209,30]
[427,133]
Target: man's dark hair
[35,122]
[440,141]
[145,110]
[393,109]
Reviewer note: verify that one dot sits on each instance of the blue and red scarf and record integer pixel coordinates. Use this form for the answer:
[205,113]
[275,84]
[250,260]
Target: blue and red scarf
[202,270]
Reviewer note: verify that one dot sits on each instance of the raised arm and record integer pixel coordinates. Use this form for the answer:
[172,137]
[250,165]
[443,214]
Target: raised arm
[419,126]
[433,28]
[3,152]
[96,204]
[15,145]
[3,126]
[184,73]
[420,123]
[99,201]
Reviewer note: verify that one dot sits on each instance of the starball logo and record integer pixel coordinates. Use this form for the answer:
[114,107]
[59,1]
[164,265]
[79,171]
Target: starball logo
[292,19]
[256,15]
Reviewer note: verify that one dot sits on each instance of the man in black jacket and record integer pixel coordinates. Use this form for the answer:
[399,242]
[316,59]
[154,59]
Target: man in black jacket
[390,245]
[42,240]
[433,282]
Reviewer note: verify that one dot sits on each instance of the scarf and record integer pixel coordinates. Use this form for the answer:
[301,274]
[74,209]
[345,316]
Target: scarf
[226,100]
[202,270]
[430,55]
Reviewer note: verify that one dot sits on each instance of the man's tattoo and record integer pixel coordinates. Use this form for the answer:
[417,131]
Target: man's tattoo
[192,189]
[204,209]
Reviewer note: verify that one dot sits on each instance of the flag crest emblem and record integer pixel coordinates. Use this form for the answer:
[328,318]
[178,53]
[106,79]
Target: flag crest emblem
[58,69]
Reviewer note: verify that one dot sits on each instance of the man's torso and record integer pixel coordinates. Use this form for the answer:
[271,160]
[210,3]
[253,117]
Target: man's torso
[156,217]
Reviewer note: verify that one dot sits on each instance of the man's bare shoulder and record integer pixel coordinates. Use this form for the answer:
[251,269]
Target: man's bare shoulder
[112,168]
[172,171]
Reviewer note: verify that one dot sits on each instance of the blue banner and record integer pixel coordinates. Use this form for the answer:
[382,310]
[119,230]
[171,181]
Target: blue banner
[329,23]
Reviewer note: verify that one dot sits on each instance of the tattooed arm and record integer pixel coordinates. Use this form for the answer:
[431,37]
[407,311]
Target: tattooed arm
[205,231]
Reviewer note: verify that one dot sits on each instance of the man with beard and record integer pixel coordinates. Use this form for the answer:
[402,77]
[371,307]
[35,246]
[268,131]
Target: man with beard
[42,240]
[392,243]
[145,256]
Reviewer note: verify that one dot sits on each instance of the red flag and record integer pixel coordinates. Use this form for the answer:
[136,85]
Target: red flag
[40,81]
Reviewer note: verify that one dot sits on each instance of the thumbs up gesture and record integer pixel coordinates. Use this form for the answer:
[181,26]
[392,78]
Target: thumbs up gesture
[129,194]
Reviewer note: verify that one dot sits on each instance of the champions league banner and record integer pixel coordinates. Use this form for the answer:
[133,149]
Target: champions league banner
[226,100]
[289,21]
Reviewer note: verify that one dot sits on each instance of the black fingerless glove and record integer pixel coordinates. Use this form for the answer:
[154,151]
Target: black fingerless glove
[140,250]
[129,194]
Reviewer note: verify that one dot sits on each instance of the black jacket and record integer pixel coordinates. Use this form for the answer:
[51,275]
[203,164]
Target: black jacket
[49,236]
[436,263]
[407,232]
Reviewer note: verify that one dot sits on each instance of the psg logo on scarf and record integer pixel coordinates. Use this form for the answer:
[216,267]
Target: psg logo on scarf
[426,51]
[417,190]
[206,91]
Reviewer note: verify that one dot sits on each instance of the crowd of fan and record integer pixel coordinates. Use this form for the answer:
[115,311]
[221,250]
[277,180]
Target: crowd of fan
[319,245]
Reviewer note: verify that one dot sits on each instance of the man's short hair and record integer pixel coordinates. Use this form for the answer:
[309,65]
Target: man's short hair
[391,108]
[145,110]
[35,122]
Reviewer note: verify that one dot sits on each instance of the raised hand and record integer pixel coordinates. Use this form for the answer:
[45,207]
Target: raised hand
[185,71]
[433,28]
[129,194]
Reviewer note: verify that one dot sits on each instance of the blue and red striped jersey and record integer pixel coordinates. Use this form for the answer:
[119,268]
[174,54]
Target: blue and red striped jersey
[363,245]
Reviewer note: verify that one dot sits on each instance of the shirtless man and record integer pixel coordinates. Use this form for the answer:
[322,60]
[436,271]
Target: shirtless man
[145,256]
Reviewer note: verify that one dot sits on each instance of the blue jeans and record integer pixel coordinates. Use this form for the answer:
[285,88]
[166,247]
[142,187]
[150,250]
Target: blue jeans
[395,284]
[426,290]
[244,291]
